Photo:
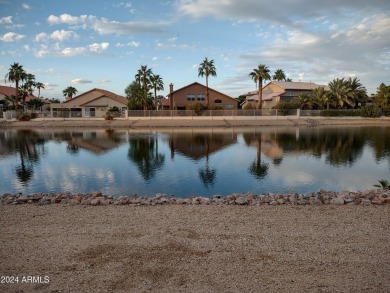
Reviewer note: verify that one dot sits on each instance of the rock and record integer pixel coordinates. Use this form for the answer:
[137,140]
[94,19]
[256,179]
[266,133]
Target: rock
[241,200]
[21,199]
[337,201]
[94,202]
[216,196]
[96,194]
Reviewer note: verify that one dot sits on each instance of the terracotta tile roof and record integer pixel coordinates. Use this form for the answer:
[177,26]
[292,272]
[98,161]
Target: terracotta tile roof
[9,90]
[111,95]
[292,85]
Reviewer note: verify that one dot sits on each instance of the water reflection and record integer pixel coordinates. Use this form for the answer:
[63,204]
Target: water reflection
[143,151]
[201,161]
[198,146]
[29,146]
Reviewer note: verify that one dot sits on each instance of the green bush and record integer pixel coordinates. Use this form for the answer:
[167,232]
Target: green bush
[372,111]
[197,107]
[284,108]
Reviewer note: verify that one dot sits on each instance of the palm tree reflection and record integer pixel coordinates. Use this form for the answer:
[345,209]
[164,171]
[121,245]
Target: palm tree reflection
[143,151]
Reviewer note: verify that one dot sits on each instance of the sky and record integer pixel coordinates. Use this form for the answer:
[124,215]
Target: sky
[101,44]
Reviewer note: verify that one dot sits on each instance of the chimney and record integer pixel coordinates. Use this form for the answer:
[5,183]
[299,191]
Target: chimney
[170,96]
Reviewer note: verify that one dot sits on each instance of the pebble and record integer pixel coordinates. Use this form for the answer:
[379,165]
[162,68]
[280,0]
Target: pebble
[322,197]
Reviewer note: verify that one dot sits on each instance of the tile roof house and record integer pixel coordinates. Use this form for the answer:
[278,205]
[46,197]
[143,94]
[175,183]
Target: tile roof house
[277,91]
[9,90]
[93,103]
[196,92]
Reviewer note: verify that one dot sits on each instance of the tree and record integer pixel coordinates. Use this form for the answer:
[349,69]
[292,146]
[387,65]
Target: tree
[143,77]
[358,91]
[134,96]
[207,68]
[279,75]
[320,98]
[39,86]
[30,83]
[341,93]
[54,100]
[258,75]
[35,103]
[69,92]
[16,73]
[12,99]
[304,101]
[382,97]
[158,85]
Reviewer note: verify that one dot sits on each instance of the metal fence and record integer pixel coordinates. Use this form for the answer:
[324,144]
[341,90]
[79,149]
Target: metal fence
[209,113]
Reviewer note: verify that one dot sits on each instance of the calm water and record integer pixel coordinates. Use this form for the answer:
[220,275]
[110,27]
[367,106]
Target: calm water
[185,162]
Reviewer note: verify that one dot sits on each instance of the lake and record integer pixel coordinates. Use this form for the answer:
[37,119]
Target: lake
[184,162]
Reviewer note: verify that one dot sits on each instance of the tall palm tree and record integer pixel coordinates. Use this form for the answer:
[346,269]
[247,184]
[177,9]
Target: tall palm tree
[207,68]
[279,75]
[258,75]
[158,85]
[69,92]
[30,83]
[16,73]
[39,86]
[143,77]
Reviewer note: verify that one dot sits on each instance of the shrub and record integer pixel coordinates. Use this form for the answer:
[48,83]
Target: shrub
[372,111]
[197,107]
[24,116]
[248,107]
[284,108]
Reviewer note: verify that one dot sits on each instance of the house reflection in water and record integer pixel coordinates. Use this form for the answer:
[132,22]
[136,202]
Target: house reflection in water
[197,145]
[97,141]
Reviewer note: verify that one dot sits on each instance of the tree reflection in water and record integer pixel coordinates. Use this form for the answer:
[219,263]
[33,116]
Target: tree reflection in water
[258,168]
[143,151]
[29,145]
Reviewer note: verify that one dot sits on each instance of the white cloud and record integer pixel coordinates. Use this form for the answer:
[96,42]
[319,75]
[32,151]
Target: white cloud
[104,26]
[62,35]
[6,19]
[26,6]
[11,37]
[98,48]
[71,52]
[80,81]
[155,58]
[133,44]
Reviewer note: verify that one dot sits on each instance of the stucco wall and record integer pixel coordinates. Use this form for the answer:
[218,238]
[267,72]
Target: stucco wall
[180,97]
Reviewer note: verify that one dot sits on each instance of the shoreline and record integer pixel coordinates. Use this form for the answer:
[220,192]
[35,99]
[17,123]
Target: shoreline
[202,122]
[322,197]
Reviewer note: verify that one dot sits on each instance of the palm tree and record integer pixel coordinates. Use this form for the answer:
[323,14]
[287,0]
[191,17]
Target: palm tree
[258,75]
[158,85]
[320,97]
[279,75]
[30,82]
[69,92]
[39,86]
[16,74]
[341,93]
[207,68]
[358,91]
[304,100]
[143,77]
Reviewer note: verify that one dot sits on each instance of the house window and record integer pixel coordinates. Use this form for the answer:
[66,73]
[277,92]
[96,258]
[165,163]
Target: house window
[201,97]
[229,106]
[217,101]
[90,112]
[190,97]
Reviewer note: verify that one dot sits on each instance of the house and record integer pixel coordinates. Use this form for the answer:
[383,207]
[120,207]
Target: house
[196,92]
[10,91]
[93,103]
[280,91]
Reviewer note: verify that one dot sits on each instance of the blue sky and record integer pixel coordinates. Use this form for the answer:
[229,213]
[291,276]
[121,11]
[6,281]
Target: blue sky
[101,43]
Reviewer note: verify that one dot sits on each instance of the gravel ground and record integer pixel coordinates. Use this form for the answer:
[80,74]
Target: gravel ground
[195,248]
